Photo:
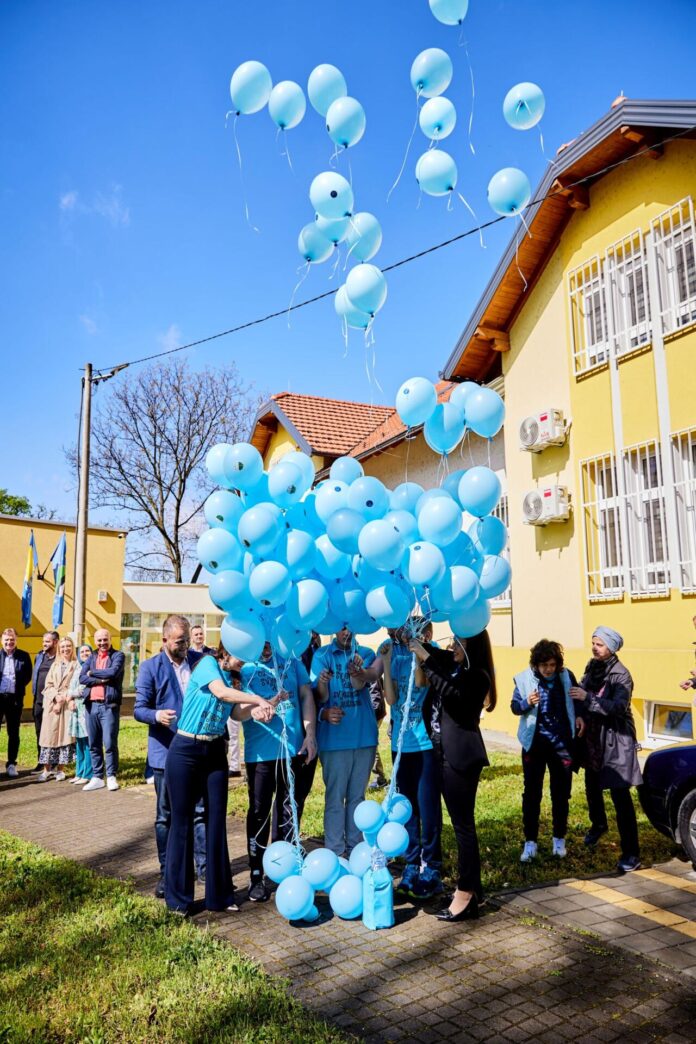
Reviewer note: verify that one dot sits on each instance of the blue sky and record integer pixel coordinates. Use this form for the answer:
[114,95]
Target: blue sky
[123,225]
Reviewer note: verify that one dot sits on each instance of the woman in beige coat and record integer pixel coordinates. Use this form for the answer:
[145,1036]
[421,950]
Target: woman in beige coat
[57,745]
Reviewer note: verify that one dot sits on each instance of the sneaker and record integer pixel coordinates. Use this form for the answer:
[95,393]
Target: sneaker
[232,908]
[529,852]
[95,783]
[60,776]
[428,885]
[77,779]
[45,776]
[408,880]
[111,783]
[12,771]
[149,779]
[593,835]
[258,893]
[559,848]
[200,875]
[627,864]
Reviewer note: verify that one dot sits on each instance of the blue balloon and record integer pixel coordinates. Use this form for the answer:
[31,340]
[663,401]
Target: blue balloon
[243,465]
[449,12]
[270,583]
[436,173]
[223,510]
[406,526]
[360,859]
[489,535]
[509,191]
[300,553]
[485,412]
[258,494]
[393,839]
[460,393]
[304,463]
[303,516]
[307,604]
[471,621]
[331,195]
[445,428]
[288,639]
[463,552]
[243,637]
[364,236]
[259,529]
[345,122]
[423,564]
[416,400]
[388,605]
[280,861]
[343,529]
[344,866]
[333,229]
[229,590]
[294,898]
[215,463]
[286,104]
[217,550]
[369,816]
[431,72]
[286,483]
[345,309]
[369,497]
[365,574]
[405,496]
[431,494]
[346,897]
[440,521]
[457,590]
[479,491]
[331,564]
[321,868]
[451,483]
[330,623]
[524,105]
[330,496]
[326,83]
[437,118]
[347,602]
[381,544]
[346,469]
[313,245]
[398,810]
[495,576]
[366,288]
[250,87]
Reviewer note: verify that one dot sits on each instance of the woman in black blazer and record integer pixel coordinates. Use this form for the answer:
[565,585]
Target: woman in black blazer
[462,683]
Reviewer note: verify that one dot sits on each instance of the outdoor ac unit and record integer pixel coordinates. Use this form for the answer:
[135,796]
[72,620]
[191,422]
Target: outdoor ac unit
[102,596]
[547,428]
[548,504]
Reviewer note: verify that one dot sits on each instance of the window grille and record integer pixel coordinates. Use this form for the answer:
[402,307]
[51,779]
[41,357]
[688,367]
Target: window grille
[503,600]
[626,279]
[684,462]
[645,516]
[601,510]
[675,249]
[588,319]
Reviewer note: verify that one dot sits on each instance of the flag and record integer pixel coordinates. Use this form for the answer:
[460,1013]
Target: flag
[58,563]
[32,565]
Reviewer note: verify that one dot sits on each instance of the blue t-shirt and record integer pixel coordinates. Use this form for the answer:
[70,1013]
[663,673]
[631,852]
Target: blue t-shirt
[262,739]
[358,726]
[416,735]
[202,713]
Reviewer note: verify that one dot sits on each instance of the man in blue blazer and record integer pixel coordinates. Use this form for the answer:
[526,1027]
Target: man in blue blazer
[159,694]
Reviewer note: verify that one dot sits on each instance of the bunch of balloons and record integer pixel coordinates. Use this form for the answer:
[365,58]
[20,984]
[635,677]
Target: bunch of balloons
[251,89]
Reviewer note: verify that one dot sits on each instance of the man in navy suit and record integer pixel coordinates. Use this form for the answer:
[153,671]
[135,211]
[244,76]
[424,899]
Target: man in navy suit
[15,675]
[159,694]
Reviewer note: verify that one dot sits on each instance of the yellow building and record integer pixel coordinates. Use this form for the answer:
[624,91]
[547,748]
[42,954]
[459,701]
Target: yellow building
[605,333]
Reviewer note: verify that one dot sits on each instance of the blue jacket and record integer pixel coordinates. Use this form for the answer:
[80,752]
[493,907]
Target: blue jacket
[157,688]
[22,671]
[525,684]
[111,677]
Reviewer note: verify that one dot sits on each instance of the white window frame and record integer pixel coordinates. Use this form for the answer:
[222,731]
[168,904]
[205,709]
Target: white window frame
[683,444]
[646,529]
[603,529]
[586,286]
[674,232]
[627,298]
[501,511]
[664,739]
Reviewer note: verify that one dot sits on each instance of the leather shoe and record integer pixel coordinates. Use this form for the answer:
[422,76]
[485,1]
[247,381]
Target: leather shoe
[469,913]
[159,889]
[593,835]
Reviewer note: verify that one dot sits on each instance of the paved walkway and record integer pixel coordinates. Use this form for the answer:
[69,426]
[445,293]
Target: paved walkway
[531,971]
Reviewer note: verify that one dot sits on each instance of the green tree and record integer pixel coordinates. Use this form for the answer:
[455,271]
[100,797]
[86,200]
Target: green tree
[13,505]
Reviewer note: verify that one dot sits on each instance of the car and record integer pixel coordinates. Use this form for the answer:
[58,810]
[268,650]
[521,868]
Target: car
[668,794]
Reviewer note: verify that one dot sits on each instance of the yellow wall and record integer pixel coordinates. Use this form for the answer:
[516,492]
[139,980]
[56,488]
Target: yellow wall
[280,443]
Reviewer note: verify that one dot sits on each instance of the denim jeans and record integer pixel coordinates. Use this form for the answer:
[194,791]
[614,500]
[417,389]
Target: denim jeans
[418,780]
[163,821]
[346,774]
[102,721]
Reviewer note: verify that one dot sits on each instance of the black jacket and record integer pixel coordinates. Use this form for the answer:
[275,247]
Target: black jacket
[23,670]
[611,729]
[459,694]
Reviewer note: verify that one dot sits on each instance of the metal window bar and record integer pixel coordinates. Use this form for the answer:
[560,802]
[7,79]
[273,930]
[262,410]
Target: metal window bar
[645,512]
[501,511]
[684,462]
[626,279]
[601,512]
[588,320]
[674,232]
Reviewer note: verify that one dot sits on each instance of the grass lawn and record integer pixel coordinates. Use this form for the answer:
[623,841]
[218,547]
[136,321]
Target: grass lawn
[83,958]
[499,817]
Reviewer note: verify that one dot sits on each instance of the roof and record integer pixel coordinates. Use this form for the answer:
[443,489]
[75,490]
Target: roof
[392,429]
[148,597]
[329,427]
[61,524]
[628,127]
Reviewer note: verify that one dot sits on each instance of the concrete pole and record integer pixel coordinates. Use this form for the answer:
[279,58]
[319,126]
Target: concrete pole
[82,510]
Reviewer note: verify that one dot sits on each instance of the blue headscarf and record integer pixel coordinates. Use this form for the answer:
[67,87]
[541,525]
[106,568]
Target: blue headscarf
[612,639]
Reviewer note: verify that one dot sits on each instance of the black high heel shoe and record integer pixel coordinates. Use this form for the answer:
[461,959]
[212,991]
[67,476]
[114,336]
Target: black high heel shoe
[469,913]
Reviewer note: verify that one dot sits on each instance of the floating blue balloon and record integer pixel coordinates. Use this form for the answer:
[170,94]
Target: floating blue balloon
[250,87]
[471,621]
[495,576]
[258,494]
[334,229]
[451,483]
[437,118]
[280,861]
[215,463]
[423,564]
[223,510]
[364,236]
[229,590]
[294,899]
[331,564]
[270,583]
[489,535]
[388,605]
[286,483]
[366,288]
[217,550]
[347,603]
[303,462]
[321,868]
[440,521]
[431,72]
[463,552]
[331,195]
[346,897]
[380,544]
[449,12]
[300,553]
[259,529]
[479,491]
[436,173]
[416,400]
[509,191]
[307,604]
[444,430]
[366,575]
[393,839]
[461,392]
[326,83]
[313,245]
[368,816]
[288,639]
[286,104]
[431,494]
[398,809]
[369,497]
[457,590]
[243,465]
[405,525]
[485,412]
[360,859]
[344,866]
[345,309]
[405,496]
[330,496]
[343,529]
[346,469]
[243,637]
[345,122]
[524,105]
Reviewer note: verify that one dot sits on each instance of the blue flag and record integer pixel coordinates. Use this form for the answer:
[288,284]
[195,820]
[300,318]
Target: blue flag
[32,566]
[58,562]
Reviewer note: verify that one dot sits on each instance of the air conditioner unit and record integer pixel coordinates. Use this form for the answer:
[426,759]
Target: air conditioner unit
[102,596]
[544,505]
[547,428]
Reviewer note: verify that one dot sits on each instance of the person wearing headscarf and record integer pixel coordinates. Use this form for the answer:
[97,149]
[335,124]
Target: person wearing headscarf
[610,748]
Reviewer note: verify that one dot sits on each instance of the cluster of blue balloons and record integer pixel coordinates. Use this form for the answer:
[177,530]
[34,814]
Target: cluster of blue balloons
[251,89]
[444,423]
[509,191]
[431,75]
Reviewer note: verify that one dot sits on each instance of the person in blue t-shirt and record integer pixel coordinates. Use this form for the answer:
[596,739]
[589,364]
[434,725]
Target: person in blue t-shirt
[264,754]
[346,733]
[417,777]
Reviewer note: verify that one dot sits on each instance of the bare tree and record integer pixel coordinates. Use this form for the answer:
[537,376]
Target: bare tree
[150,436]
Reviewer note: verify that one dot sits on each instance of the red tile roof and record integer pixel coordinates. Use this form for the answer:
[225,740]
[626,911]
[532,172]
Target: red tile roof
[392,429]
[330,427]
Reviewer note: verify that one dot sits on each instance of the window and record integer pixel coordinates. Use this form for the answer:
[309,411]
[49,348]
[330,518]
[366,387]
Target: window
[627,284]
[503,600]
[588,321]
[675,251]
[645,514]
[684,463]
[130,619]
[601,508]
[670,722]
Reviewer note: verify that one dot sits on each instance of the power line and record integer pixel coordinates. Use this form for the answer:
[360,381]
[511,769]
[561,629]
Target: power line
[475,230]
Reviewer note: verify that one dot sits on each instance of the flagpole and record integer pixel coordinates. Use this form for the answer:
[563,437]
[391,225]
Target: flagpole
[82,509]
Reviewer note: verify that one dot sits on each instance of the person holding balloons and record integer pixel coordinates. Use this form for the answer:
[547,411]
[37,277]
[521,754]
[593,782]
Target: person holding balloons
[462,683]
[346,733]
[264,753]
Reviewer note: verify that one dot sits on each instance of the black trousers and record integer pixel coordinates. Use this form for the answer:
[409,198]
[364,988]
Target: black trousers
[304,779]
[625,812]
[264,780]
[38,718]
[543,755]
[459,788]
[11,712]
[194,767]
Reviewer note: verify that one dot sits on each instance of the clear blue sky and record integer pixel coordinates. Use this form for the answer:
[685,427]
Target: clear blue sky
[122,222]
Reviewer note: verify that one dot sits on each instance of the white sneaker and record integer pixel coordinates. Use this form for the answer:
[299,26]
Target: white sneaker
[112,783]
[77,779]
[12,771]
[529,852]
[96,783]
[60,776]
[559,848]
[45,776]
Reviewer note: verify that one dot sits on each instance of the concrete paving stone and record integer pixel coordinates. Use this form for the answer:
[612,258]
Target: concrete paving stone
[642,943]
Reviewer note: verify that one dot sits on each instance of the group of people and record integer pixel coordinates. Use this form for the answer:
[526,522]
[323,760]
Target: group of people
[192,698]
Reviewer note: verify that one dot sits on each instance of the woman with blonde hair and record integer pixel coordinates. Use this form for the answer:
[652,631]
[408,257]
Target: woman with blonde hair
[57,745]
[78,725]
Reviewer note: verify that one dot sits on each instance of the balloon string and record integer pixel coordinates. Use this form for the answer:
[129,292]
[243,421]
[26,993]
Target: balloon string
[543,150]
[241,173]
[406,710]
[301,280]
[336,262]
[489,452]
[350,171]
[449,199]
[473,98]
[333,159]
[408,147]
[344,326]
[286,150]
[517,261]
[290,775]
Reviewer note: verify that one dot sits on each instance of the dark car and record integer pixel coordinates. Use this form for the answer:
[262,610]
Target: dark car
[668,794]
